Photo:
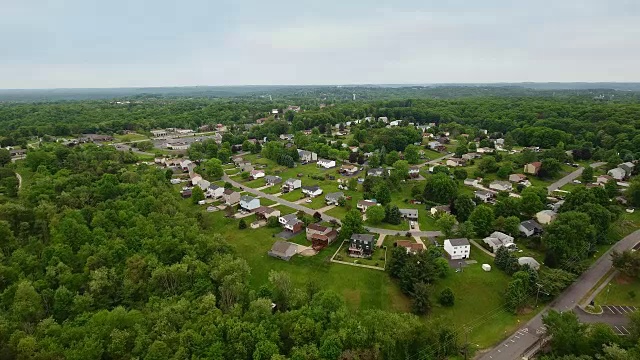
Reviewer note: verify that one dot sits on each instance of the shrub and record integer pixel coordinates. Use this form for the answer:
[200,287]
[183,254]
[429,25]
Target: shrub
[446,297]
[242,224]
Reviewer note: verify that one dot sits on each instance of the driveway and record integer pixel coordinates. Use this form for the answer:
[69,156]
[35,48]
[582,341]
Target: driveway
[615,316]
[514,346]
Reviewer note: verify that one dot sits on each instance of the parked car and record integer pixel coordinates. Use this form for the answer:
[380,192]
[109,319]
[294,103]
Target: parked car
[413,224]
[309,201]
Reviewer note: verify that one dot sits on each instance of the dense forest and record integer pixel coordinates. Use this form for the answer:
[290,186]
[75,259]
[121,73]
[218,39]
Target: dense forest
[100,260]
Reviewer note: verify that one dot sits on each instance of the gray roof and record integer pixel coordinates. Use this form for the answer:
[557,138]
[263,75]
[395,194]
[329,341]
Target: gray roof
[410,212]
[482,193]
[531,225]
[335,195]
[214,187]
[291,181]
[290,217]
[272,178]
[459,242]
[362,237]
[246,198]
[526,260]
[282,247]
[311,188]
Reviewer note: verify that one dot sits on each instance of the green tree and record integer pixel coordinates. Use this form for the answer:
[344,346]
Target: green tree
[392,215]
[375,214]
[488,164]
[446,222]
[446,298]
[213,169]
[242,224]
[530,203]
[505,171]
[463,206]
[197,194]
[421,303]
[440,188]
[5,157]
[352,224]
[566,332]
[461,149]
[516,295]
[550,168]
[27,304]
[482,219]
[587,175]
[383,194]
[568,239]
[512,226]
[460,174]
[411,154]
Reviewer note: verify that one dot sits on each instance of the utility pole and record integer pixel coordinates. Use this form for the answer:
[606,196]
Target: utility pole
[538,293]
[606,298]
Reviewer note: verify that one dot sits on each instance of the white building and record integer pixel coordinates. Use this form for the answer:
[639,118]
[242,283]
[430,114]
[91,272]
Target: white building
[291,184]
[617,173]
[327,164]
[312,191]
[546,216]
[457,248]
[214,191]
[249,203]
[500,186]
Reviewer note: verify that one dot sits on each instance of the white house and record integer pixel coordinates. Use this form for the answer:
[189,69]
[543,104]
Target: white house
[526,260]
[394,123]
[498,239]
[184,165]
[384,119]
[500,186]
[348,169]
[214,191]
[530,228]
[546,216]
[291,184]
[272,179]
[483,195]
[457,248]
[195,179]
[249,203]
[454,162]
[516,178]
[312,191]
[204,184]
[327,164]
[414,171]
[409,214]
[256,174]
[617,173]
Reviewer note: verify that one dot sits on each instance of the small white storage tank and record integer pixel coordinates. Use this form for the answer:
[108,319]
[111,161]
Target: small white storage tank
[486,267]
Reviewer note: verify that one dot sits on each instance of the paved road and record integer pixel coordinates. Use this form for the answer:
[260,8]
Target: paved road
[615,316]
[19,181]
[431,162]
[515,345]
[325,217]
[569,178]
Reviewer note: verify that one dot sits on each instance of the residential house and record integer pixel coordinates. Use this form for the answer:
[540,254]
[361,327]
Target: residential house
[361,245]
[499,185]
[457,248]
[375,172]
[320,236]
[204,185]
[195,178]
[214,191]
[265,212]
[414,172]
[440,209]
[617,173]
[499,142]
[293,108]
[498,239]
[412,247]
[483,195]
[249,203]
[291,184]
[484,150]
[256,174]
[516,178]
[333,198]
[471,182]
[529,261]
[603,179]
[286,137]
[546,216]
[530,228]
[291,223]
[455,162]
[627,167]
[436,146]
[307,156]
[327,164]
[184,165]
[230,197]
[283,250]
[348,169]
[274,111]
[272,180]
[363,205]
[186,193]
[394,123]
[261,121]
[533,168]
[246,167]
[384,119]
[409,214]
[470,156]
[312,191]
[15,153]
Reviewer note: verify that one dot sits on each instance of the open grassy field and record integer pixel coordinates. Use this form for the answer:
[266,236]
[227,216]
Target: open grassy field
[478,302]
[129,137]
[361,288]
[622,290]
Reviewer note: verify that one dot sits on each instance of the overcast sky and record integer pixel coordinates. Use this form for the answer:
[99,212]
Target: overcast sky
[124,43]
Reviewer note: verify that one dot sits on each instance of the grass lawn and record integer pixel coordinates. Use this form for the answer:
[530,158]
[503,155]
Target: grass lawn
[620,291]
[272,189]
[361,288]
[402,227]
[377,258]
[477,295]
[266,202]
[292,195]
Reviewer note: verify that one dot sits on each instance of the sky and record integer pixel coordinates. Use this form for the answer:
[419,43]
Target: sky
[144,43]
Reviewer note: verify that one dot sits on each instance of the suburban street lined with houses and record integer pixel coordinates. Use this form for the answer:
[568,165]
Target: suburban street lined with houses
[572,176]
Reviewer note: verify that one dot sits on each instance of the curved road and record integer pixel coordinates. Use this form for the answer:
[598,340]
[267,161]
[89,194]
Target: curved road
[516,344]
[325,217]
